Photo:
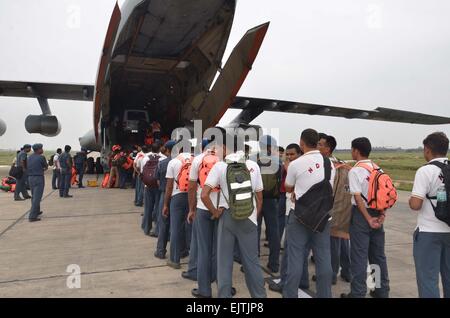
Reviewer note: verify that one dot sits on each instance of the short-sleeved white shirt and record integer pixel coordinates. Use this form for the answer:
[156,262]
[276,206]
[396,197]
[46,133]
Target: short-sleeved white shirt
[306,171]
[358,179]
[146,158]
[193,176]
[137,160]
[173,169]
[289,204]
[427,180]
[217,177]
[56,161]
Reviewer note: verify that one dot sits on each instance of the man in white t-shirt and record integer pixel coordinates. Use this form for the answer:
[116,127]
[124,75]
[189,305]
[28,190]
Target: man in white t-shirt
[367,237]
[204,267]
[341,213]
[292,152]
[176,203]
[56,169]
[302,174]
[139,189]
[245,232]
[432,236]
[151,195]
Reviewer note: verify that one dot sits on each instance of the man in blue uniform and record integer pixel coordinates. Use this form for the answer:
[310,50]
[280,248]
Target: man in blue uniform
[66,163]
[80,161]
[36,166]
[21,162]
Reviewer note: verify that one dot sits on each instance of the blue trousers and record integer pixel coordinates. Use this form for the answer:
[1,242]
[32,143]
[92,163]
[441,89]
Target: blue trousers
[139,192]
[431,257]
[340,257]
[300,239]
[207,251]
[179,209]
[193,251]
[156,212]
[281,214]
[150,198]
[64,184]
[21,187]
[270,214]
[304,281]
[245,232]
[367,244]
[164,226]
[80,171]
[37,184]
[55,178]
[123,176]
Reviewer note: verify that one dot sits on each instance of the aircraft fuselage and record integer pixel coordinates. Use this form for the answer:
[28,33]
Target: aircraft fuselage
[161,57]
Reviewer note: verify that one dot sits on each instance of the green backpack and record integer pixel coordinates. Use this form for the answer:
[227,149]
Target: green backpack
[240,191]
[271,182]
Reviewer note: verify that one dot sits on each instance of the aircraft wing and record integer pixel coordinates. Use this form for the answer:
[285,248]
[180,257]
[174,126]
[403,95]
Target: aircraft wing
[47,90]
[253,107]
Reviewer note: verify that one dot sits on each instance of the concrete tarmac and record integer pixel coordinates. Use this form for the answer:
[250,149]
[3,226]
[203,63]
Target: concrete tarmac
[99,231]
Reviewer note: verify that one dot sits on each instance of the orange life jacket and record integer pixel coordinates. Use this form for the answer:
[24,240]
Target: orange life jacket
[208,161]
[74,176]
[183,175]
[382,194]
[148,140]
[105,180]
[128,164]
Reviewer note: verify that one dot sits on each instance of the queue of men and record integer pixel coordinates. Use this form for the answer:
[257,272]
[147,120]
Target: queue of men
[217,221]
[210,207]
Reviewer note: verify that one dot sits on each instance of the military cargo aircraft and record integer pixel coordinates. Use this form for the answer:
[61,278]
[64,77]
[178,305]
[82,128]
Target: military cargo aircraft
[159,61]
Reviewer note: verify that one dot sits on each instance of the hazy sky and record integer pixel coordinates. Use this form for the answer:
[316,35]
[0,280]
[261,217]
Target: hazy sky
[350,53]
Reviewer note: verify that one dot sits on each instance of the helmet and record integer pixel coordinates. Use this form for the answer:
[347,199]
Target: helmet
[116,148]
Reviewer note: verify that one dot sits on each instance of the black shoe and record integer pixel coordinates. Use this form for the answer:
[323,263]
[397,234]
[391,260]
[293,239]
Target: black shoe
[139,204]
[233,291]
[186,275]
[314,278]
[68,196]
[160,256]
[242,269]
[374,294]
[19,199]
[349,295]
[34,220]
[153,234]
[40,212]
[27,197]
[55,188]
[312,259]
[185,254]
[196,294]
[275,287]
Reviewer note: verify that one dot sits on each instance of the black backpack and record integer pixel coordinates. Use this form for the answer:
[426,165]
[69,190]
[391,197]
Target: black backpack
[313,208]
[442,211]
